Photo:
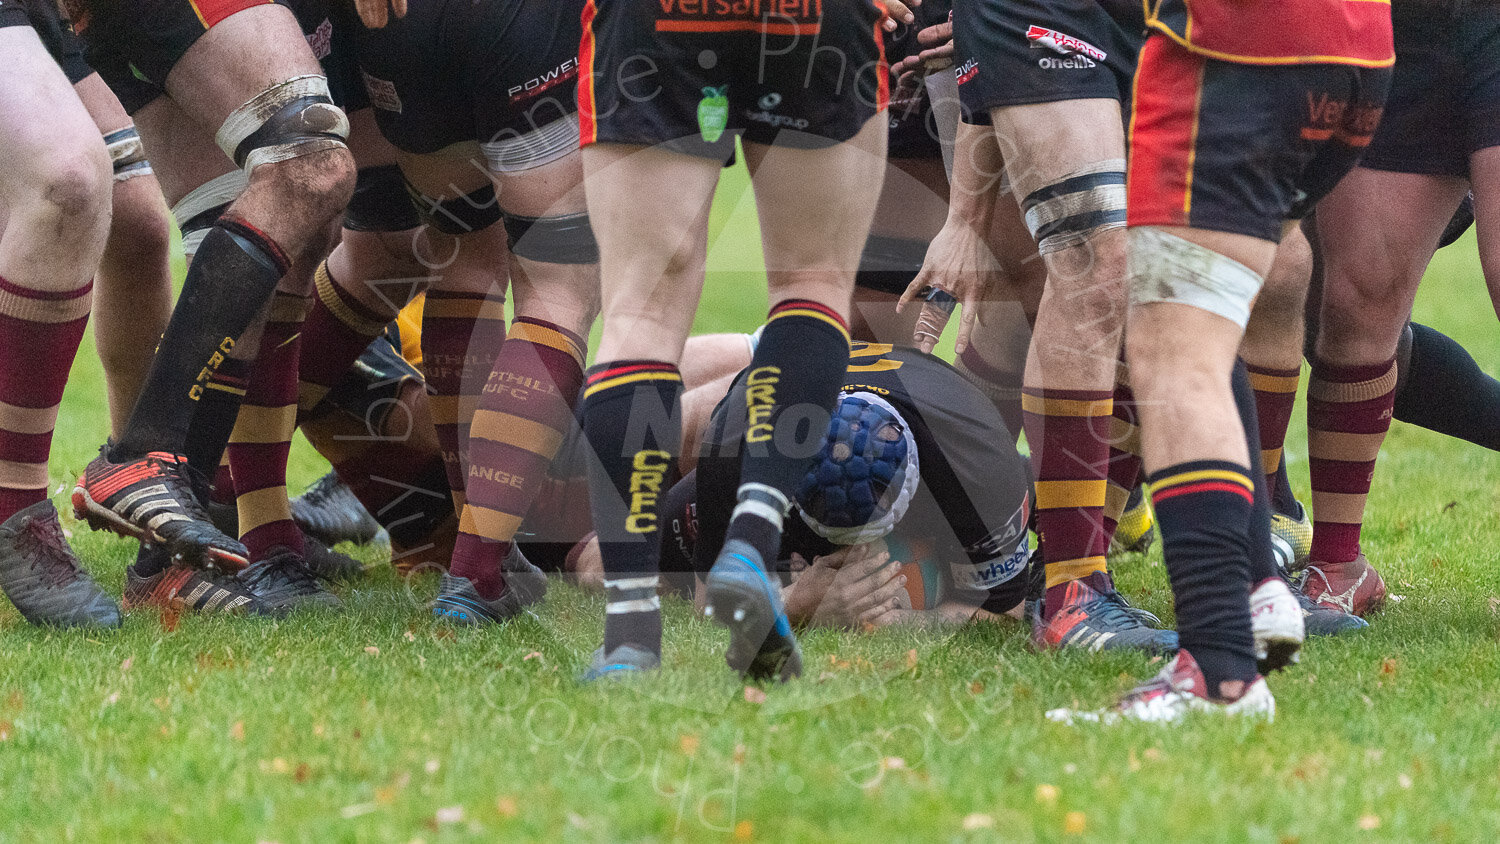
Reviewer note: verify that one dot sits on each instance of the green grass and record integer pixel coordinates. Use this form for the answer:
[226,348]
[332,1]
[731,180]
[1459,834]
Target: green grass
[375,724]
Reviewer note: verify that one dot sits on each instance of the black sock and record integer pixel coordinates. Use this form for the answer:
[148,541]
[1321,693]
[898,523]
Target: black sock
[233,275]
[632,419]
[798,366]
[1202,508]
[1262,557]
[1444,390]
[1283,499]
[214,417]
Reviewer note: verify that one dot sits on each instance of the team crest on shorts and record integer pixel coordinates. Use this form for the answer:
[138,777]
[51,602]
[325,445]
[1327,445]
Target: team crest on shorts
[713,113]
[382,93]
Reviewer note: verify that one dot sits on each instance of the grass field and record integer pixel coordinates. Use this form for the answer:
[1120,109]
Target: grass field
[376,724]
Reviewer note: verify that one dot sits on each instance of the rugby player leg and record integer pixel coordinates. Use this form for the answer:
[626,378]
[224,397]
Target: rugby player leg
[652,253]
[1064,176]
[1374,254]
[301,175]
[1273,351]
[55,193]
[526,409]
[910,212]
[815,208]
[133,288]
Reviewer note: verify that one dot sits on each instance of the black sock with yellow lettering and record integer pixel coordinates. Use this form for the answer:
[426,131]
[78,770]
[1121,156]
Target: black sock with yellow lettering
[792,384]
[632,420]
[232,277]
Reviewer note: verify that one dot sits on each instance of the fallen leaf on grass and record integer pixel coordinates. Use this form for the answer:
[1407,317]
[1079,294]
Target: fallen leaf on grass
[1074,823]
[302,772]
[125,666]
[172,615]
[754,695]
[372,650]
[1047,794]
[744,831]
[506,806]
[531,656]
[911,659]
[114,698]
[432,766]
[237,732]
[1388,665]
[689,744]
[978,821]
[1404,781]
[1369,822]
[409,636]
[6,728]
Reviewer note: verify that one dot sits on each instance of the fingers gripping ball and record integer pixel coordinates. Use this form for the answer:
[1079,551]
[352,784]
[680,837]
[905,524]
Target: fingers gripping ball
[865,474]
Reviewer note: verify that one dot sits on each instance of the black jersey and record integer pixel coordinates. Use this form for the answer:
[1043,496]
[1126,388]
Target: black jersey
[971,506]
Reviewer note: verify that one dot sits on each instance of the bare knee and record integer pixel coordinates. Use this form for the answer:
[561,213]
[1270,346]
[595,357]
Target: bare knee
[139,234]
[309,189]
[70,192]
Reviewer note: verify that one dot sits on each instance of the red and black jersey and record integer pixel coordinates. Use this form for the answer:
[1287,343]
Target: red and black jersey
[1278,32]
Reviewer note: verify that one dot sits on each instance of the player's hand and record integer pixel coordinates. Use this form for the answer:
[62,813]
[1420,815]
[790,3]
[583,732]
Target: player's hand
[864,586]
[960,268]
[374,14]
[936,42]
[898,12]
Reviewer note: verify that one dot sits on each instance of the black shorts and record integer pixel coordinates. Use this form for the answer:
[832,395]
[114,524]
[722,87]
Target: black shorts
[58,38]
[694,78]
[135,44]
[453,71]
[1242,148]
[1022,52]
[914,132]
[1445,95]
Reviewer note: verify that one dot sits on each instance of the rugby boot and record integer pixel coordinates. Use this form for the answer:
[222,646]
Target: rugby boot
[1291,539]
[329,512]
[1277,623]
[1320,620]
[1136,529]
[42,577]
[152,499]
[282,582]
[459,602]
[197,591]
[1354,587]
[624,661]
[330,564]
[1096,617]
[743,598]
[1179,689]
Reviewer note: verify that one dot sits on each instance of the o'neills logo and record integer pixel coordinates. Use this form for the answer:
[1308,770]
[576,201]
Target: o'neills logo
[1066,44]
[966,71]
[647,473]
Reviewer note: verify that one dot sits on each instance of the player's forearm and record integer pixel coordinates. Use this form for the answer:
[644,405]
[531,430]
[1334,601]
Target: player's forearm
[977,171]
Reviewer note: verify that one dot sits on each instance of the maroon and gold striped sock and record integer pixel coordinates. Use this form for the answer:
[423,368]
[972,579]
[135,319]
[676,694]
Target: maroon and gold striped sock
[1124,456]
[1003,388]
[518,427]
[262,437]
[338,328]
[461,335]
[1275,394]
[39,336]
[1069,433]
[1348,413]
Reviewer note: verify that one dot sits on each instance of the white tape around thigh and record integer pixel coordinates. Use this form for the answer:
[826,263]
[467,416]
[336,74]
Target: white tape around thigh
[1163,267]
[542,145]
